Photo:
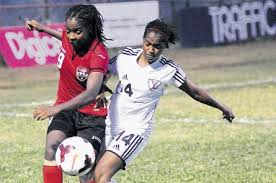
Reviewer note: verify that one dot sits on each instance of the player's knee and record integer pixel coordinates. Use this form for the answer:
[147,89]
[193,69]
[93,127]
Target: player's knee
[50,151]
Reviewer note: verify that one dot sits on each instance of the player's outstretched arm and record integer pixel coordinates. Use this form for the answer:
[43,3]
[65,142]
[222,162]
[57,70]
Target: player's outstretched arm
[35,25]
[204,97]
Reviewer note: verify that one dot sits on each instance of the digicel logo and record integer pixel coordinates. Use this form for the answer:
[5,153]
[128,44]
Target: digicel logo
[36,47]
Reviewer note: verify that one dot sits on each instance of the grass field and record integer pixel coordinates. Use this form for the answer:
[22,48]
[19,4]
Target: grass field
[191,143]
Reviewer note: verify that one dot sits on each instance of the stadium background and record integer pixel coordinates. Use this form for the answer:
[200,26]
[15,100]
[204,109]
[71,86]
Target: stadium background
[198,22]
[13,11]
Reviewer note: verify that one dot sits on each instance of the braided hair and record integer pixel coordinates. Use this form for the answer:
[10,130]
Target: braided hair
[90,17]
[166,31]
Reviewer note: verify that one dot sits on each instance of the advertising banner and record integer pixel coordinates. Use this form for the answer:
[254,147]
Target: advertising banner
[124,23]
[22,48]
[227,24]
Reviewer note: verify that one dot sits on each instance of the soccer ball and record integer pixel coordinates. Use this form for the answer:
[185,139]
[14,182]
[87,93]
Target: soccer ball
[75,156]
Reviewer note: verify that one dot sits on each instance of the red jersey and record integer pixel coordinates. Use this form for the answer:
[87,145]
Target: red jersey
[74,71]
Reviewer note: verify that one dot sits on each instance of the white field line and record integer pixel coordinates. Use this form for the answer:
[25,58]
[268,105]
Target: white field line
[242,120]
[188,120]
[230,85]
[239,84]
[15,114]
[25,104]
[211,86]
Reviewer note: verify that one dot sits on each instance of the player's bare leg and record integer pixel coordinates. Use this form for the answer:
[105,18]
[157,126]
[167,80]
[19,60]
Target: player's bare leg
[51,172]
[87,178]
[108,165]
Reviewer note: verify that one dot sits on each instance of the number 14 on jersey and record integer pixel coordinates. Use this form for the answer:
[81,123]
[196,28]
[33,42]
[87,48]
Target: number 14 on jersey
[127,89]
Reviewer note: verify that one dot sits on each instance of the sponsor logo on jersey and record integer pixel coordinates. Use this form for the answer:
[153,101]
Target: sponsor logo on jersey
[153,84]
[116,146]
[82,73]
[103,57]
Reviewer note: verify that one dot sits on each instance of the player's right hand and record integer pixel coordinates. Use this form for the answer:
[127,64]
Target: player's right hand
[42,112]
[33,25]
[101,101]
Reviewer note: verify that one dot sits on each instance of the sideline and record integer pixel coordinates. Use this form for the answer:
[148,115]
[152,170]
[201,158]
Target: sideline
[168,91]
[229,85]
[25,104]
[240,84]
[242,120]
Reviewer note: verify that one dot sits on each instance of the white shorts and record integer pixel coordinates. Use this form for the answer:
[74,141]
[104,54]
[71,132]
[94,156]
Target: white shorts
[126,144]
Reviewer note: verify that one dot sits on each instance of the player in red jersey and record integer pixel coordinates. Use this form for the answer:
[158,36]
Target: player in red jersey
[82,62]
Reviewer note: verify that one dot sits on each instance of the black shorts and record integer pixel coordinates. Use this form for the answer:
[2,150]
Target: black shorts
[75,123]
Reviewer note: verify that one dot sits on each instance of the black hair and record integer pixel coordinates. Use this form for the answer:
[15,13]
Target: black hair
[167,31]
[90,17]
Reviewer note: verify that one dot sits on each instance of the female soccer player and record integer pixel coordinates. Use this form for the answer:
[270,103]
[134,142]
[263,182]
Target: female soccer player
[82,62]
[143,74]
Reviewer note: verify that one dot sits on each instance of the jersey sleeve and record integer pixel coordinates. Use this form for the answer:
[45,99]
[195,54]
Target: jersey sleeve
[112,66]
[116,63]
[179,77]
[99,60]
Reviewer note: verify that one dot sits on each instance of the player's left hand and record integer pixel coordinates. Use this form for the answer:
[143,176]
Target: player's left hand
[42,112]
[33,25]
[228,114]
[101,101]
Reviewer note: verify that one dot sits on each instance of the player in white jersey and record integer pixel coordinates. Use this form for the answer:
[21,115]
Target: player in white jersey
[139,90]
[144,75]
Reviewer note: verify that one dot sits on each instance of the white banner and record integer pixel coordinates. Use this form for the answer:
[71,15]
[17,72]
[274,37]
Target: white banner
[125,22]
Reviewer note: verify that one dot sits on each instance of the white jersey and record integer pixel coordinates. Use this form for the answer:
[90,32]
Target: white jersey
[139,90]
